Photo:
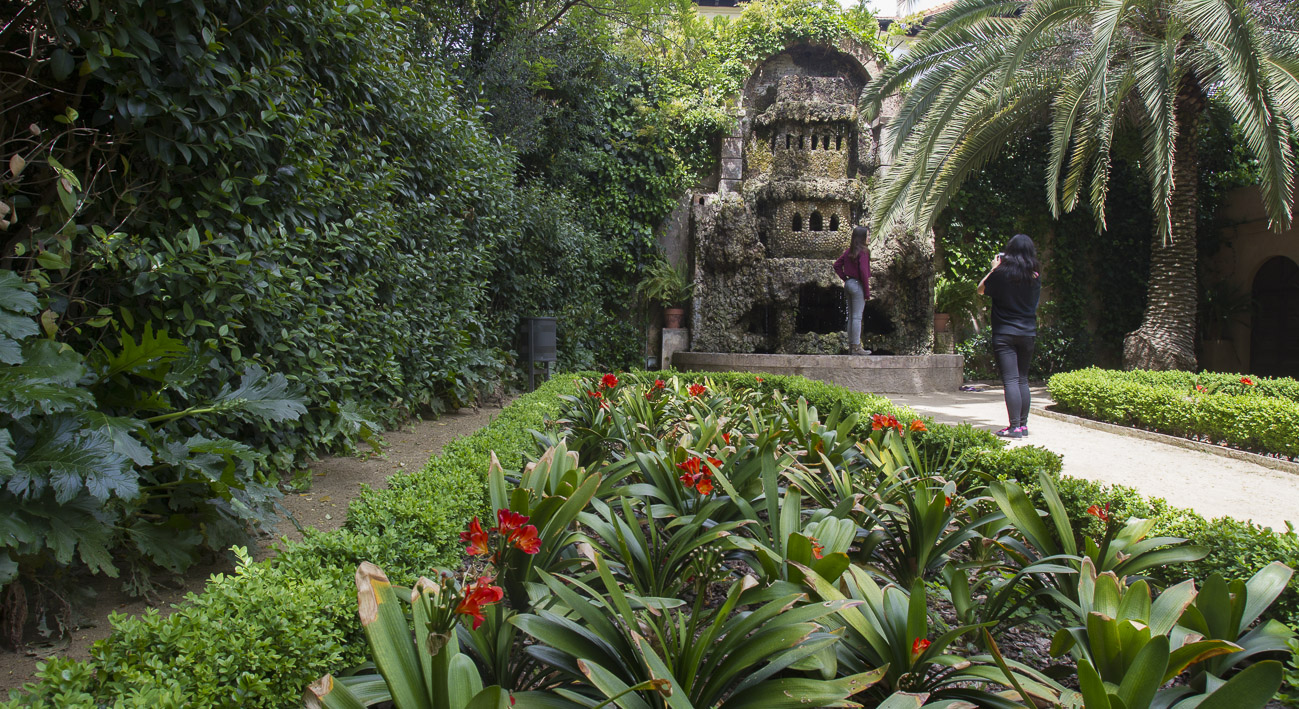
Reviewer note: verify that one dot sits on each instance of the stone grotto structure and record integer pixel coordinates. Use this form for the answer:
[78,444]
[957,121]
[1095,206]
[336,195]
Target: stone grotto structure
[794,178]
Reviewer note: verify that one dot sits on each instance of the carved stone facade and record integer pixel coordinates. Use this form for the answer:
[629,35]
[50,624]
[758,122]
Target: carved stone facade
[794,180]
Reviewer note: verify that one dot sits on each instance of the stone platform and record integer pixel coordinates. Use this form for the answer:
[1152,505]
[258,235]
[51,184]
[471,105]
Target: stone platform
[883,374]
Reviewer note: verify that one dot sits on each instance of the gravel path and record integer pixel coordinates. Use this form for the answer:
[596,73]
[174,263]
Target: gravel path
[1211,485]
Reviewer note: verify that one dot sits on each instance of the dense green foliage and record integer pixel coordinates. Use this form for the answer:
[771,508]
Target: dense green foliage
[1254,414]
[310,197]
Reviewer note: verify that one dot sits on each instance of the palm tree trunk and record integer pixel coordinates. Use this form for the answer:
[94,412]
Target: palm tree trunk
[1166,338]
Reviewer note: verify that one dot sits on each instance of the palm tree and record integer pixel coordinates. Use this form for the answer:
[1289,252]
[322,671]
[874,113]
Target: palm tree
[988,69]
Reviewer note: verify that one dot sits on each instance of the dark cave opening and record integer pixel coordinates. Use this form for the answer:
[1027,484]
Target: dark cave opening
[820,310]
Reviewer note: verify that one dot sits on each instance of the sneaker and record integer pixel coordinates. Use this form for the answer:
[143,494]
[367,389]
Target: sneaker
[1023,430]
[1009,432]
[860,351]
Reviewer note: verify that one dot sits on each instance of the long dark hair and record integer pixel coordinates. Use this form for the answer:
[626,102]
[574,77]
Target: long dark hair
[1019,260]
[861,240]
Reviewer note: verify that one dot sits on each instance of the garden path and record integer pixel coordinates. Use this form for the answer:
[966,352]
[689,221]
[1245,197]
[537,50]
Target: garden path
[335,481]
[1211,485]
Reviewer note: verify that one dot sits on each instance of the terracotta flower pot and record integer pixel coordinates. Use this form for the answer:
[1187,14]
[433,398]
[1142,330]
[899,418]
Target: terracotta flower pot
[672,317]
[942,321]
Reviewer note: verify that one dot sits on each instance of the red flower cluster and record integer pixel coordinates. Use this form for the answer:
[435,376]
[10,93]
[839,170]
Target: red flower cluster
[726,438]
[818,549]
[879,422]
[1247,381]
[511,525]
[1200,387]
[595,395]
[608,381]
[1100,514]
[919,646]
[698,476]
[918,426]
[482,593]
[697,389]
[659,384]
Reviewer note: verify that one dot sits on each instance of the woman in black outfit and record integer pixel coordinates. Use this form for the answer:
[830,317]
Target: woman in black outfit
[1014,286]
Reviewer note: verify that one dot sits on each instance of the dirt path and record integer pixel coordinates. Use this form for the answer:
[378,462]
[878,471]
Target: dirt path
[1211,485]
[335,481]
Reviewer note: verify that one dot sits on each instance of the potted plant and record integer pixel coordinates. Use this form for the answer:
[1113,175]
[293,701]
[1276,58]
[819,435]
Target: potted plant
[666,285]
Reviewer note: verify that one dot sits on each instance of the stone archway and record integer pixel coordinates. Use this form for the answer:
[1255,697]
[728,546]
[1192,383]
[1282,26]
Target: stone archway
[1274,335]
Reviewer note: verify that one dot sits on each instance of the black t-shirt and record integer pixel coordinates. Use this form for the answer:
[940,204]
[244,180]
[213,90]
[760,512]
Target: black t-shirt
[1014,304]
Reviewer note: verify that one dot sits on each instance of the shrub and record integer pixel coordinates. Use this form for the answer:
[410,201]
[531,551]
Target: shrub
[1241,415]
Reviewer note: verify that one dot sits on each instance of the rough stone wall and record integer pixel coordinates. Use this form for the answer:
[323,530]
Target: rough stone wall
[764,278]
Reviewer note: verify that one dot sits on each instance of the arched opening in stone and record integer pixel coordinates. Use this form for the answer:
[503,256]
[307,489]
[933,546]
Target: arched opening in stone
[757,321]
[800,143]
[821,310]
[838,142]
[789,140]
[825,142]
[875,321]
[797,225]
[834,222]
[1274,335]
[814,139]
[814,222]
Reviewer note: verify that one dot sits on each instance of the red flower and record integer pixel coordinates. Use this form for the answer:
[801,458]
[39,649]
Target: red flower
[608,381]
[716,464]
[1100,514]
[697,389]
[525,539]
[919,646]
[507,521]
[758,379]
[947,501]
[726,437]
[659,384]
[482,593]
[704,486]
[818,549]
[1247,381]
[649,394]
[594,394]
[879,422]
[691,465]
[918,426]
[1199,387]
[476,538]
[604,405]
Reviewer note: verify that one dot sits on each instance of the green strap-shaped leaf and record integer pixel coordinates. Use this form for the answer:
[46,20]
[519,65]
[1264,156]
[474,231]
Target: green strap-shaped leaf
[384,621]
[1146,674]
[1253,688]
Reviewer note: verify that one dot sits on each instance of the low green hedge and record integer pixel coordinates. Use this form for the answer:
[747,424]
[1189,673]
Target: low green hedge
[257,637]
[1237,415]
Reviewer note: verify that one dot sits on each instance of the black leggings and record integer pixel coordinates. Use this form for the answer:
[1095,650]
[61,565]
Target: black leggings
[1013,353]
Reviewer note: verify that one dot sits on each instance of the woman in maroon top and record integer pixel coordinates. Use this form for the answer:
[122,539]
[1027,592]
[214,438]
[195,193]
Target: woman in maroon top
[854,267]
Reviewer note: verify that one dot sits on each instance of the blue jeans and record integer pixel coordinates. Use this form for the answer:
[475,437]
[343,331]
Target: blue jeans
[856,304]
[1013,353]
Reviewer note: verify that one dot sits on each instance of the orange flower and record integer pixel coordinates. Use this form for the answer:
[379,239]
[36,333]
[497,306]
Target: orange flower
[947,501]
[659,384]
[716,464]
[919,646]
[758,379]
[726,437]
[818,549]
[879,422]
[608,381]
[691,465]
[525,539]
[507,521]
[476,538]
[1247,381]
[918,426]
[704,486]
[595,394]
[1200,387]
[697,389]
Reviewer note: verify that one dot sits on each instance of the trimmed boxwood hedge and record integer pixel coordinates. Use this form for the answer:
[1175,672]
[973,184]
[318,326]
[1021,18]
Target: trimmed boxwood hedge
[257,637]
[1227,411]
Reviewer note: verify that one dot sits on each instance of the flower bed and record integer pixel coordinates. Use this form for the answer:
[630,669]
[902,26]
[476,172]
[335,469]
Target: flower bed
[258,637]
[1254,414]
